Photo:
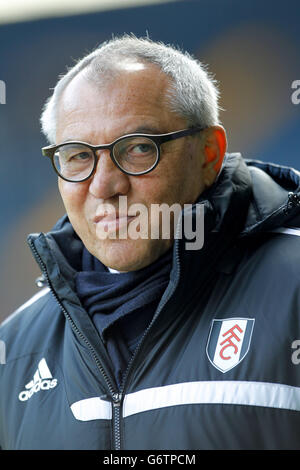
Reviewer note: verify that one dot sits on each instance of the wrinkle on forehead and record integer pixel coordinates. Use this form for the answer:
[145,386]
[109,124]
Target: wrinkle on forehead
[139,92]
[128,72]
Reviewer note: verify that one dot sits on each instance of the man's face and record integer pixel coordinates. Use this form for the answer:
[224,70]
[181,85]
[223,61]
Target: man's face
[133,102]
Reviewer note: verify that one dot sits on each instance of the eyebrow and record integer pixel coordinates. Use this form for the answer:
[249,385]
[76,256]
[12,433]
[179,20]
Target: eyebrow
[145,130]
[138,130]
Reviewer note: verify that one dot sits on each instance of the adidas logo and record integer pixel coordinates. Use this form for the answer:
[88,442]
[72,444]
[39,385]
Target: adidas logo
[42,380]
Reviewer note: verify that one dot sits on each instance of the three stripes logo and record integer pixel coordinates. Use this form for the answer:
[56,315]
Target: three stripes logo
[42,380]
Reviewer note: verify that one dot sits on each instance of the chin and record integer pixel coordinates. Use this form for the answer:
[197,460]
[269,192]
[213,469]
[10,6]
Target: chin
[130,255]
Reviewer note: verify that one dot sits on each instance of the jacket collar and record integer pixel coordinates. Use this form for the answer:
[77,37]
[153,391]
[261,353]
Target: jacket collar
[276,196]
[226,205]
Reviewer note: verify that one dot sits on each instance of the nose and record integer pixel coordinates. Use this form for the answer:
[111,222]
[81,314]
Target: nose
[108,180]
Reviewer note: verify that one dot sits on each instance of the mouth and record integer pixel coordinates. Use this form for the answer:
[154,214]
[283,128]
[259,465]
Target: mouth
[112,222]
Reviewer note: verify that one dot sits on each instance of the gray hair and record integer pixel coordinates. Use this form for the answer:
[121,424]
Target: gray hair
[193,95]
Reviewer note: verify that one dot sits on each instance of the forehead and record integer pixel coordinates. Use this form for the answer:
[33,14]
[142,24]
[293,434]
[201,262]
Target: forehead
[135,98]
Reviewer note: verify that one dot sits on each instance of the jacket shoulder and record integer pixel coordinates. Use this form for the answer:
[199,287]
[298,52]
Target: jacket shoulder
[26,310]
[276,253]
[29,321]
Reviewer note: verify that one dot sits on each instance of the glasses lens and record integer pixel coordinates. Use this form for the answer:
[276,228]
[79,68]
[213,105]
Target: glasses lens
[136,154]
[75,162]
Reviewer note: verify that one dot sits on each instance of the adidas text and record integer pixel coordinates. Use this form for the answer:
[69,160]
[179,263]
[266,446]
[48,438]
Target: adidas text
[42,380]
[43,385]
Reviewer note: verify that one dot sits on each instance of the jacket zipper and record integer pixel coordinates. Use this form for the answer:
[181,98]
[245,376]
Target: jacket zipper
[115,396]
[155,317]
[293,201]
[117,405]
[130,364]
[285,209]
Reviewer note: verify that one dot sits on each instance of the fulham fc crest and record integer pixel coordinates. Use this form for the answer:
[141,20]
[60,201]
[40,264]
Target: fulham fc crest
[229,341]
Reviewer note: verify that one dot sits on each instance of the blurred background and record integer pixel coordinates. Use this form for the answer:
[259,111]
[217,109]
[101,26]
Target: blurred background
[252,47]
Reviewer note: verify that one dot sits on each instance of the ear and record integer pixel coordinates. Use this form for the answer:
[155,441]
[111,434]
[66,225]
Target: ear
[214,148]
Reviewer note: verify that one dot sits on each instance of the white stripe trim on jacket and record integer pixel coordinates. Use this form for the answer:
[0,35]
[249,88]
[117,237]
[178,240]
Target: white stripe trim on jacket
[271,395]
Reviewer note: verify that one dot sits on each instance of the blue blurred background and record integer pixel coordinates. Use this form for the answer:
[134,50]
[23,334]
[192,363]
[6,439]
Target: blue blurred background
[252,47]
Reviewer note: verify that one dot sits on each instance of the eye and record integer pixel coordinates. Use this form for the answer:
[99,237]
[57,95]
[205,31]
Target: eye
[140,149]
[136,151]
[80,156]
[69,154]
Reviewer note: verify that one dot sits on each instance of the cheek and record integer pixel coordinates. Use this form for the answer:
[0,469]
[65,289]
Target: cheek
[176,174]
[153,188]
[171,184]
[190,175]
[73,196]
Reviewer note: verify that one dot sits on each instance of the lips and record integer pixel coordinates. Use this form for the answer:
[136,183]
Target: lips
[111,217]
[113,221]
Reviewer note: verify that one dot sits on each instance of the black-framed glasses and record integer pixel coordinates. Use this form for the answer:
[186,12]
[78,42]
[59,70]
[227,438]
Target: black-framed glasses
[133,154]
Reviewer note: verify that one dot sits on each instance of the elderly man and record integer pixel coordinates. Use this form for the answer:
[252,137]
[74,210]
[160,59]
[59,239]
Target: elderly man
[144,337]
